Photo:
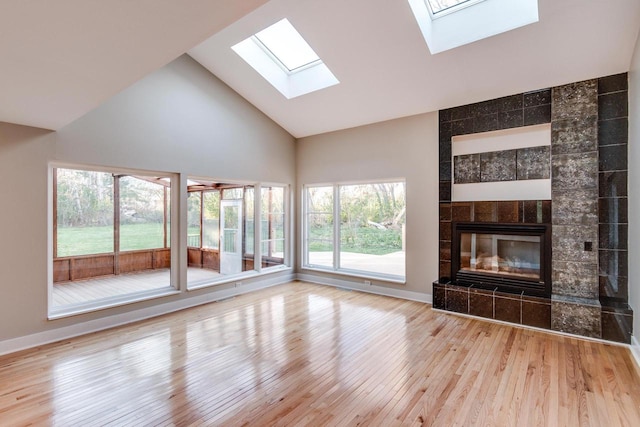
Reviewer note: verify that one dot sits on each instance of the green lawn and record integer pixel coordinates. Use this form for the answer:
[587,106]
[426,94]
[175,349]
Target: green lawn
[95,240]
[362,240]
[74,241]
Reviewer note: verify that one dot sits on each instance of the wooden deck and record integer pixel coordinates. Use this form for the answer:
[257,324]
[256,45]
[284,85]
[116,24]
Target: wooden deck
[301,354]
[82,291]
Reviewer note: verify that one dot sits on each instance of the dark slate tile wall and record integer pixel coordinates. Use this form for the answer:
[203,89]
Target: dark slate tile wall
[506,165]
[613,137]
[519,110]
[513,111]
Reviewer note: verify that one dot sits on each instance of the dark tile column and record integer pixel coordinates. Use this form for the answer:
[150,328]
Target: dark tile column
[613,135]
[575,306]
[612,146]
[445,133]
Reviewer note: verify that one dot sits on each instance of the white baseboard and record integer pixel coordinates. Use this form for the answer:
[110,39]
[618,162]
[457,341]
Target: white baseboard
[372,289]
[53,335]
[635,350]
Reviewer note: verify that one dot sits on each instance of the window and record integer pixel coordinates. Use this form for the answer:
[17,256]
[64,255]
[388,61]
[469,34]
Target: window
[448,24]
[357,228]
[222,230]
[319,232]
[272,226]
[144,213]
[194,219]
[211,219]
[84,213]
[281,55]
[220,221]
[111,235]
[287,46]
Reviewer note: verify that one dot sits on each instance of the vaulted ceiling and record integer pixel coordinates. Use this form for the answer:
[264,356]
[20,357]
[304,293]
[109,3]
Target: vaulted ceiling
[61,59]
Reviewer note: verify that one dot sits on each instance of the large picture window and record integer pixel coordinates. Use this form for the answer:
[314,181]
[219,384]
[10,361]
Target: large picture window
[222,227]
[111,236]
[356,228]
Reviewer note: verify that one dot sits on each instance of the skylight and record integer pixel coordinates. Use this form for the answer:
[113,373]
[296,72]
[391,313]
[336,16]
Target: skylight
[287,46]
[280,55]
[461,22]
[441,6]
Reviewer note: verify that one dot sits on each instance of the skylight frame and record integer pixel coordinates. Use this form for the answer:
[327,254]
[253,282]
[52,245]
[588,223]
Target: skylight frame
[451,9]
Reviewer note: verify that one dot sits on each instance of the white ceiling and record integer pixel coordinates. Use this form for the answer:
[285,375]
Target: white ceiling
[60,59]
[376,50]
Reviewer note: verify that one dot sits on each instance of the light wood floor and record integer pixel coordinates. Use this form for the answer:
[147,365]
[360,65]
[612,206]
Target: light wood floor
[301,354]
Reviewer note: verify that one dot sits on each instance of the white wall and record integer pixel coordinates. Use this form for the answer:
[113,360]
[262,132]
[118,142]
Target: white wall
[179,119]
[402,148]
[634,189]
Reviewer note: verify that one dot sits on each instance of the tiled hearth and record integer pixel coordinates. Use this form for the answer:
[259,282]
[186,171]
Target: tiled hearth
[587,211]
[512,308]
[616,319]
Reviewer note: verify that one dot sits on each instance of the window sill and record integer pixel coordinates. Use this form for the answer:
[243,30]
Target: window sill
[77,309]
[397,280]
[238,277]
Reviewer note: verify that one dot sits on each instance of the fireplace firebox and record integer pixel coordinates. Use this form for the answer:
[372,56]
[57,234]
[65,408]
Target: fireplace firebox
[506,257]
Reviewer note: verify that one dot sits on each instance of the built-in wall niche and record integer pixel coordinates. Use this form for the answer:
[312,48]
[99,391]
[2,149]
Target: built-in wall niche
[502,165]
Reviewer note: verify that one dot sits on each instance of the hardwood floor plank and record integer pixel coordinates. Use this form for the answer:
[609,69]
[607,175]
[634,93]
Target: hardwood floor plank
[302,354]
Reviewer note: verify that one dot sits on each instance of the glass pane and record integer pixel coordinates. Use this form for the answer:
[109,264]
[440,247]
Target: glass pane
[505,255]
[287,45]
[231,217]
[249,226]
[193,219]
[320,200]
[272,223]
[232,193]
[211,220]
[319,227]
[84,212]
[372,228]
[230,240]
[142,214]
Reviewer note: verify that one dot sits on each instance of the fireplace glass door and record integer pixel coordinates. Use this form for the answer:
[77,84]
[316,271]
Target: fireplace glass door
[501,254]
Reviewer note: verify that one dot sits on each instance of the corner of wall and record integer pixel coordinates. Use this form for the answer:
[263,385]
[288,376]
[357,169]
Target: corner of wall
[635,350]
[634,192]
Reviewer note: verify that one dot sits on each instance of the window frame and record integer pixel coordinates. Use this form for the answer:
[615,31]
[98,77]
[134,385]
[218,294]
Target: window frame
[177,240]
[257,249]
[336,236]
[56,312]
[270,213]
